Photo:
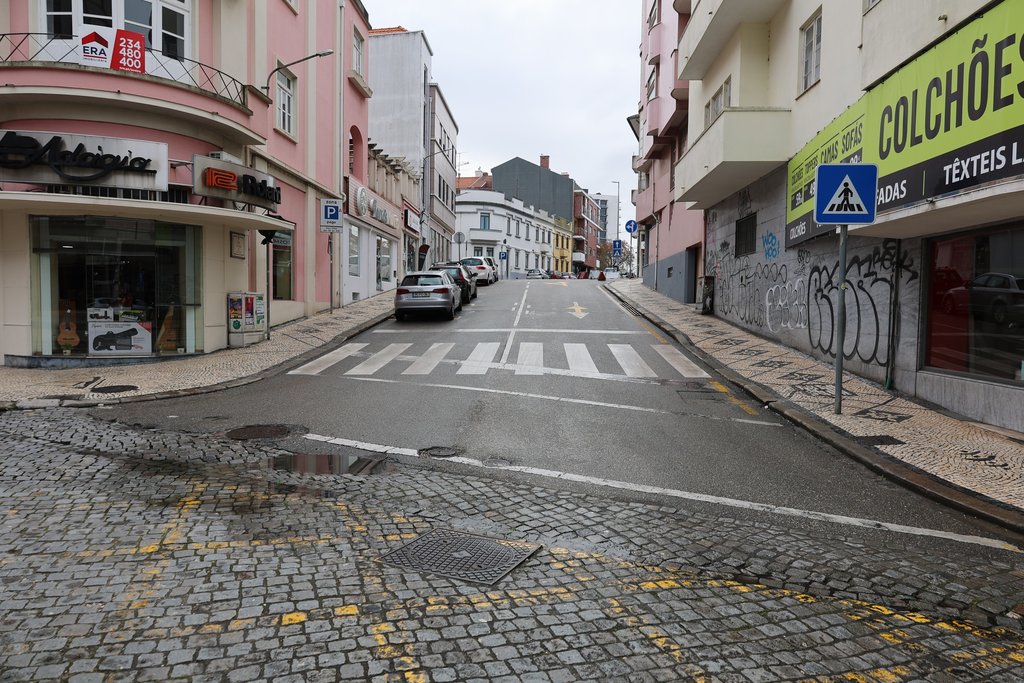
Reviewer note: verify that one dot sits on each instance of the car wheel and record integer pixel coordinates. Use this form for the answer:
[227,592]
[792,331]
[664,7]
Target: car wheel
[948,306]
[474,294]
[399,316]
[450,314]
[999,314]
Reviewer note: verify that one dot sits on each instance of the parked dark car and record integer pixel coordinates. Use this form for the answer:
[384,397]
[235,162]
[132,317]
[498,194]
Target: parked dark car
[997,297]
[463,276]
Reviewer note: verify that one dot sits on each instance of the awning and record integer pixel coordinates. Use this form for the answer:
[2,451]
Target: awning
[47,204]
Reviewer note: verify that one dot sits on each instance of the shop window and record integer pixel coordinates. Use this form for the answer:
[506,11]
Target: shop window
[111,286]
[383,262]
[975,304]
[746,235]
[283,268]
[353,250]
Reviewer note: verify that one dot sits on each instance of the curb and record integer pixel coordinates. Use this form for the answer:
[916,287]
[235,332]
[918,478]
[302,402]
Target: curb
[284,366]
[906,475]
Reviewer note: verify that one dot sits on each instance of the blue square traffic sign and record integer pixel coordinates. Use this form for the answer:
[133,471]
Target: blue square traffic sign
[845,194]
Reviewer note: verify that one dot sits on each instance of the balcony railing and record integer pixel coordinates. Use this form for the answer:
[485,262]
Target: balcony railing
[16,48]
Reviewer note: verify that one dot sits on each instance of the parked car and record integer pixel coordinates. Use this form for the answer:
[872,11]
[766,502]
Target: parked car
[997,297]
[612,274]
[429,290]
[463,276]
[484,272]
[553,274]
[534,274]
[495,266]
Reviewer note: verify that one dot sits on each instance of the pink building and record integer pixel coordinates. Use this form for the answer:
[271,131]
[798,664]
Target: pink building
[157,156]
[670,237]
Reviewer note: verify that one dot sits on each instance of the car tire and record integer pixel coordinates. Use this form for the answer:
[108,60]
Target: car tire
[400,317]
[450,314]
[999,314]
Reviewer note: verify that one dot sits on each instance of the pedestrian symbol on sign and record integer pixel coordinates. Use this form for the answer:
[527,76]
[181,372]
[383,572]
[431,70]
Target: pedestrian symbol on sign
[846,199]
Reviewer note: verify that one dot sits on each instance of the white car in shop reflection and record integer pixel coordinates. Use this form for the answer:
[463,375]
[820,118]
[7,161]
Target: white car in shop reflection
[997,297]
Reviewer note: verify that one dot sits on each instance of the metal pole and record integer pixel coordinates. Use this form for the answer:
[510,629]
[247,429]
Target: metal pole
[330,253]
[270,261]
[840,341]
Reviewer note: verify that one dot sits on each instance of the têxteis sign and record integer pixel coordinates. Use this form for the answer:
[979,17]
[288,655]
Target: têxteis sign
[72,159]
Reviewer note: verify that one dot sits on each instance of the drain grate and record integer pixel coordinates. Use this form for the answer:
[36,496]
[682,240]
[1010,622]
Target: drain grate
[439,452]
[633,310]
[259,432]
[880,440]
[461,556]
[113,389]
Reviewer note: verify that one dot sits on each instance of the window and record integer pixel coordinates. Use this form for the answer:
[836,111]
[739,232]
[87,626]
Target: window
[517,258]
[746,234]
[358,47]
[652,84]
[718,102]
[517,227]
[654,15]
[527,236]
[283,275]
[810,57]
[508,225]
[383,262]
[353,250]
[490,251]
[286,102]
[478,251]
[163,23]
[485,221]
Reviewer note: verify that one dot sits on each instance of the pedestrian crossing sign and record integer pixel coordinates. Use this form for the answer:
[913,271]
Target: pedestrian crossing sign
[845,194]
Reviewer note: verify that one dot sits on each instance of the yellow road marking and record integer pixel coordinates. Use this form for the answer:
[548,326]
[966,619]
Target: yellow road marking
[653,332]
[742,405]
[293,618]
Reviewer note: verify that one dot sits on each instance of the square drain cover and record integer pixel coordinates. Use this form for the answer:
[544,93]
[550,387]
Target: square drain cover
[461,556]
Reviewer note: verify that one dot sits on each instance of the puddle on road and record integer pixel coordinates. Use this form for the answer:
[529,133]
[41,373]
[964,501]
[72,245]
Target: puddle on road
[321,463]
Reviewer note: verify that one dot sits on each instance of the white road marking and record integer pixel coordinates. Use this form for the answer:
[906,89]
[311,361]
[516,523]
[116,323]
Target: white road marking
[426,363]
[480,360]
[379,359]
[537,330]
[632,364]
[318,365]
[579,359]
[560,399]
[515,324]
[688,495]
[682,364]
[531,359]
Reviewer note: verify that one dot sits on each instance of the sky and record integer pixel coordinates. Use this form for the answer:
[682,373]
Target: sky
[533,77]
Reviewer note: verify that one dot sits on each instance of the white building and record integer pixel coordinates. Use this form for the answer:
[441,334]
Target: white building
[493,224]
[929,93]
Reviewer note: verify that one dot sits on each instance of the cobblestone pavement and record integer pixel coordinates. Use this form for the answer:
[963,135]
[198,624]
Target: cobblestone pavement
[967,455]
[140,555]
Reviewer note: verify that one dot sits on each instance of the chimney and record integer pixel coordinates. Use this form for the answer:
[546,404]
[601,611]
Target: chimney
[545,161]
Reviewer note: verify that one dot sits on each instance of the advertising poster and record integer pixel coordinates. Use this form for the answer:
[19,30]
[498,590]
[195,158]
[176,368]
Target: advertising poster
[115,49]
[120,338]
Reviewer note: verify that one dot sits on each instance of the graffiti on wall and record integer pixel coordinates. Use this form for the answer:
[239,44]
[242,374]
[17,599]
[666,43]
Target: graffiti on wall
[771,246]
[761,293]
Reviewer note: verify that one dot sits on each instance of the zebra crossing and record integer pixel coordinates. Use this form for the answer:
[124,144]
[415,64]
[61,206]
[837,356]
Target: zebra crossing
[600,361]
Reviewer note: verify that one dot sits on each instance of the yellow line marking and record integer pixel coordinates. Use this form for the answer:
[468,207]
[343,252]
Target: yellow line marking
[653,332]
[293,618]
[742,405]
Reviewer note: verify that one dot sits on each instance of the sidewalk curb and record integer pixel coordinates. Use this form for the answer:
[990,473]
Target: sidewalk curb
[902,473]
[284,366]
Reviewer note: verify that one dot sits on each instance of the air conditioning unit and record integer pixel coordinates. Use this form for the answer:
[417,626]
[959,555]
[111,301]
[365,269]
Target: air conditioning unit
[224,156]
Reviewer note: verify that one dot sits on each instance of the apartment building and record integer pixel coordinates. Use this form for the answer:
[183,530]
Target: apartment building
[671,234]
[492,223]
[927,92]
[410,118]
[157,156]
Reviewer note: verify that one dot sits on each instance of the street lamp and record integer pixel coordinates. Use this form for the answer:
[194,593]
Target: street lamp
[297,61]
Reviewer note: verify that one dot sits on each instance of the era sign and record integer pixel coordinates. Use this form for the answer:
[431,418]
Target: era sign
[116,49]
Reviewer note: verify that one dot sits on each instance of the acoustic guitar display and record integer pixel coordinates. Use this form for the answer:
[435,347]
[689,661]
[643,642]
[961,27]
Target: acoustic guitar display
[67,332]
[167,340]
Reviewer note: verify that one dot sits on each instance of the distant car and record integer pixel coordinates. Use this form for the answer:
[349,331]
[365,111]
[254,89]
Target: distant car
[465,278]
[553,275]
[494,265]
[998,297]
[485,274]
[612,274]
[534,274]
[429,290]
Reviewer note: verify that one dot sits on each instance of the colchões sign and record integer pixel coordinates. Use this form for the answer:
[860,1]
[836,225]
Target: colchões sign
[71,159]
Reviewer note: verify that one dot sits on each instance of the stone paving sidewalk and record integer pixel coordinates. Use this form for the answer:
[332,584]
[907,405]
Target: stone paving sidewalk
[960,461]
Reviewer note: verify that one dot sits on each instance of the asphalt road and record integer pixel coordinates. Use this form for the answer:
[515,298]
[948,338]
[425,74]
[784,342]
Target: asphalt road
[556,377]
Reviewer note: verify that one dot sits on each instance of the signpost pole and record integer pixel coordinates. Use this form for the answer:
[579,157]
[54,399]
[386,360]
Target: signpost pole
[840,341]
[330,254]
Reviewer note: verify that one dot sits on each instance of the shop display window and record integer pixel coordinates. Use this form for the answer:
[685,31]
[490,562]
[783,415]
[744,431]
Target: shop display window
[383,262]
[975,304]
[112,286]
[283,272]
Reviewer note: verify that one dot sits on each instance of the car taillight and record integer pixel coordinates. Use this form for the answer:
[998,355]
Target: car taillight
[401,291]
[481,268]
[440,290]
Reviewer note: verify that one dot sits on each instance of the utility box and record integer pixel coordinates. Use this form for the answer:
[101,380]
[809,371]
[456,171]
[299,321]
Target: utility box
[707,294]
[247,318]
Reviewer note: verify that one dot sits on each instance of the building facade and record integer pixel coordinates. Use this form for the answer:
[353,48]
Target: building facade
[187,162]
[933,287]
[586,228]
[671,235]
[492,223]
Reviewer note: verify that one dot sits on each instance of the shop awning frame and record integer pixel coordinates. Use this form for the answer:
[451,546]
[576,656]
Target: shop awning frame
[47,204]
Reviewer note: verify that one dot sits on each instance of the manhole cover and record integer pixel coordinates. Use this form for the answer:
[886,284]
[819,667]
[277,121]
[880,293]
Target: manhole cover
[113,389]
[462,556]
[439,452]
[259,432]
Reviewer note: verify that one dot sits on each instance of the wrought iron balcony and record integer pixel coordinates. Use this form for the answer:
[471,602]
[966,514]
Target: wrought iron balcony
[41,48]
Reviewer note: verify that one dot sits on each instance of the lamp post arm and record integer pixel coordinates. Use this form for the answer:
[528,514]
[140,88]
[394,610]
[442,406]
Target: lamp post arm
[324,53]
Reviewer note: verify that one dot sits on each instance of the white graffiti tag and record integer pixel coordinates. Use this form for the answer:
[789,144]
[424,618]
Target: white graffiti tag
[786,306]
